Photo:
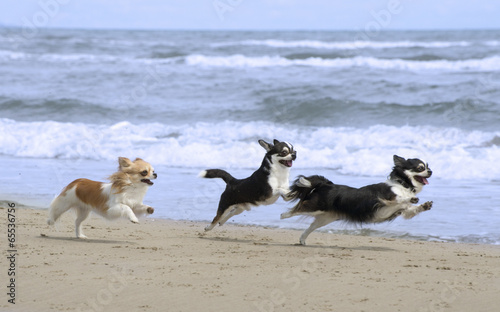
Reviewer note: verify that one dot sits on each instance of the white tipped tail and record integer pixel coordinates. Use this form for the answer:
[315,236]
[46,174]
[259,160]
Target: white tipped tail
[303,182]
[51,220]
[59,205]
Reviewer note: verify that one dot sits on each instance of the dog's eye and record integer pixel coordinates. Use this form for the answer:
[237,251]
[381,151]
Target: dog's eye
[144,173]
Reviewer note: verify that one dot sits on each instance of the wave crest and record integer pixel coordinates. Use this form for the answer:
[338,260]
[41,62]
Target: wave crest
[486,64]
[366,152]
[350,45]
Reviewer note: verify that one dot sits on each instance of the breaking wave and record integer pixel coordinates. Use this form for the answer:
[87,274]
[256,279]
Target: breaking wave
[366,152]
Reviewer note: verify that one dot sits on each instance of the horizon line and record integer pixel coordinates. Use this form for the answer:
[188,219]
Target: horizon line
[3,26]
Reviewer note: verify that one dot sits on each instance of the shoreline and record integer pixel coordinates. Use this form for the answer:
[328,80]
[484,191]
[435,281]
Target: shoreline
[164,264]
[196,199]
[301,226]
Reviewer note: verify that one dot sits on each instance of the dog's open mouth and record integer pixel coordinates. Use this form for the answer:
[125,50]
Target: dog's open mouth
[147,181]
[422,180]
[286,163]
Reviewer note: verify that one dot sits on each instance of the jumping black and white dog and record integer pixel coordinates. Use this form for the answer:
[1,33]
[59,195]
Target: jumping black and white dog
[327,202]
[263,187]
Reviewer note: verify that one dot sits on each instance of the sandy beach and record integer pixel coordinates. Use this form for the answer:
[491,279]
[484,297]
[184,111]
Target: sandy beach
[163,265]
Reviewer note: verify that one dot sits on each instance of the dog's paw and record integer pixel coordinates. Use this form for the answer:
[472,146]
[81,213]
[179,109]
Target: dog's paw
[150,210]
[427,205]
[414,200]
[288,196]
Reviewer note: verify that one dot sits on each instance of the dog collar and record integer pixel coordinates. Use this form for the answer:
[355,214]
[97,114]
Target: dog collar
[406,185]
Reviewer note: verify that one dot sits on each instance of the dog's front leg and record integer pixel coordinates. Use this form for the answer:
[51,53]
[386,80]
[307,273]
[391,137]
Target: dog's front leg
[415,210]
[122,210]
[286,194]
[407,200]
[142,209]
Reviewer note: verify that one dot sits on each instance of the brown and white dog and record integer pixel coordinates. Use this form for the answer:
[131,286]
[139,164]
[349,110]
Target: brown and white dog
[122,197]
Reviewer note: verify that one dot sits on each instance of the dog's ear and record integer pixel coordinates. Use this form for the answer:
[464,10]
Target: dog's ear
[398,161]
[265,145]
[124,162]
[276,142]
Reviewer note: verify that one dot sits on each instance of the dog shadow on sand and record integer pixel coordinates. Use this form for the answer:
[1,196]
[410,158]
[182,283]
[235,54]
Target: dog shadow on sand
[86,240]
[277,244]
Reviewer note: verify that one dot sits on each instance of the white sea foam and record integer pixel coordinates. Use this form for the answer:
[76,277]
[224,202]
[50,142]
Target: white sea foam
[6,55]
[451,152]
[348,45]
[485,64]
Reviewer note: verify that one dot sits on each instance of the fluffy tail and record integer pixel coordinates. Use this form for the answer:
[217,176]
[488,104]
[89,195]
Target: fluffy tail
[302,190]
[216,173]
[56,209]
[304,186]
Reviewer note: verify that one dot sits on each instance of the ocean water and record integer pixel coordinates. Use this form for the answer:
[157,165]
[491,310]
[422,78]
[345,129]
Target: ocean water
[72,101]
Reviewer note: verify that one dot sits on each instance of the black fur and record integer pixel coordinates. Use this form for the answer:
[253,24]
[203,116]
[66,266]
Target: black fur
[400,165]
[328,202]
[219,173]
[248,190]
[355,205]
[255,189]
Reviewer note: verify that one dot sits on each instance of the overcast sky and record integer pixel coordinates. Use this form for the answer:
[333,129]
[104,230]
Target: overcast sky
[252,14]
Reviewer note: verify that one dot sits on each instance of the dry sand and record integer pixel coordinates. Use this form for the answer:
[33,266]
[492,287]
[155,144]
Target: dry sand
[162,265]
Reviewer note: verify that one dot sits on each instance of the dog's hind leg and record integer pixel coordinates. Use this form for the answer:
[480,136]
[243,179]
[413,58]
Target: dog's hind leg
[81,214]
[212,225]
[286,215]
[226,214]
[319,221]
[222,211]
[233,211]
[225,211]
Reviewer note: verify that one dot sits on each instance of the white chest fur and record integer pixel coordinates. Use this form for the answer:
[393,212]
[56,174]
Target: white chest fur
[132,195]
[403,194]
[279,178]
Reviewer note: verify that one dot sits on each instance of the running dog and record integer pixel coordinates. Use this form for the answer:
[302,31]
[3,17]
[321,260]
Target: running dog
[327,202]
[263,187]
[122,197]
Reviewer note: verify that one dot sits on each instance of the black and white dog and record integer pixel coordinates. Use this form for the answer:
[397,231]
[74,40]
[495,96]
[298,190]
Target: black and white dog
[263,187]
[327,202]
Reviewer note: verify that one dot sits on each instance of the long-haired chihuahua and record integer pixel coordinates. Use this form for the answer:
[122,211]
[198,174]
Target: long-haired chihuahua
[121,197]
[327,202]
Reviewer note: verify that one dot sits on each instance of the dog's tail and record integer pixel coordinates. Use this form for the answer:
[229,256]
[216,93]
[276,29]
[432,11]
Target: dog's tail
[56,209]
[303,186]
[302,190]
[217,173]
